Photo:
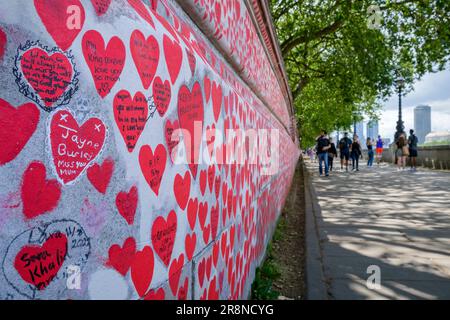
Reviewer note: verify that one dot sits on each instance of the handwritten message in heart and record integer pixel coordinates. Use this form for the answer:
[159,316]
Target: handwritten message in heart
[74,147]
[39,265]
[161,95]
[130,115]
[190,114]
[163,236]
[105,64]
[145,55]
[50,76]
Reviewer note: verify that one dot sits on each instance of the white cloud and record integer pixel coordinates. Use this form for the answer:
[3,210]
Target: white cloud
[432,90]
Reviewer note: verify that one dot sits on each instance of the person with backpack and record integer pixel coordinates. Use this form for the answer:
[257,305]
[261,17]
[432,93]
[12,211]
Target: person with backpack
[344,150]
[332,153]
[323,144]
[356,153]
[379,149]
[412,144]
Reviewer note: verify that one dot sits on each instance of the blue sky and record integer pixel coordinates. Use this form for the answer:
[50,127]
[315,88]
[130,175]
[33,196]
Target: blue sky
[434,90]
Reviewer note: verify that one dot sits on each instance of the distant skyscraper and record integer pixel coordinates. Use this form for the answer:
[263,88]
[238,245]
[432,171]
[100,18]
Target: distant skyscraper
[422,122]
[372,129]
[360,131]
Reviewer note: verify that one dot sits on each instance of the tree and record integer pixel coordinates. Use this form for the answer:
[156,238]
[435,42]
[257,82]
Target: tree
[342,56]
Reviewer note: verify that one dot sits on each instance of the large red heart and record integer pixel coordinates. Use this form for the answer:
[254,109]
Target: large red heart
[51,81]
[39,265]
[120,258]
[142,270]
[38,194]
[100,175]
[174,56]
[201,272]
[17,127]
[161,95]
[126,203]
[63,19]
[105,64]
[131,116]
[190,114]
[101,6]
[172,139]
[153,165]
[74,147]
[175,272]
[216,95]
[145,54]
[190,242]
[182,189]
[163,236]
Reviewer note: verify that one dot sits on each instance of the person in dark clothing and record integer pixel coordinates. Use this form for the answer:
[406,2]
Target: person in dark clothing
[412,144]
[355,151]
[344,148]
[332,153]
[323,144]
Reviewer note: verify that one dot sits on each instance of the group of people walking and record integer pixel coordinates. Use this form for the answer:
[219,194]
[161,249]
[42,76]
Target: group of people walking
[326,152]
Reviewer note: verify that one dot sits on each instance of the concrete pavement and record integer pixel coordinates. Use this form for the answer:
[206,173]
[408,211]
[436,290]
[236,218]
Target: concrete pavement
[397,221]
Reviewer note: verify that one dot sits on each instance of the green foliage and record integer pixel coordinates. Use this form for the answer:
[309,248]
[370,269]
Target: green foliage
[340,66]
[266,274]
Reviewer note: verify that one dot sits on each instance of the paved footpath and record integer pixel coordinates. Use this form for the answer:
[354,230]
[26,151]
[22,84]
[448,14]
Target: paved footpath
[398,221]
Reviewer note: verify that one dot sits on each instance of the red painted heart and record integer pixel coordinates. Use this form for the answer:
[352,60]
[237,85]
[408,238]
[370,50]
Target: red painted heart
[39,265]
[216,99]
[49,82]
[175,272]
[163,236]
[172,138]
[161,95]
[38,194]
[145,55]
[74,147]
[63,19]
[100,175]
[153,165]
[18,125]
[190,242]
[105,64]
[173,56]
[182,189]
[121,258]
[126,203]
[142,270]
[192,209]
[203,181]
[131,116]
[190,114]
